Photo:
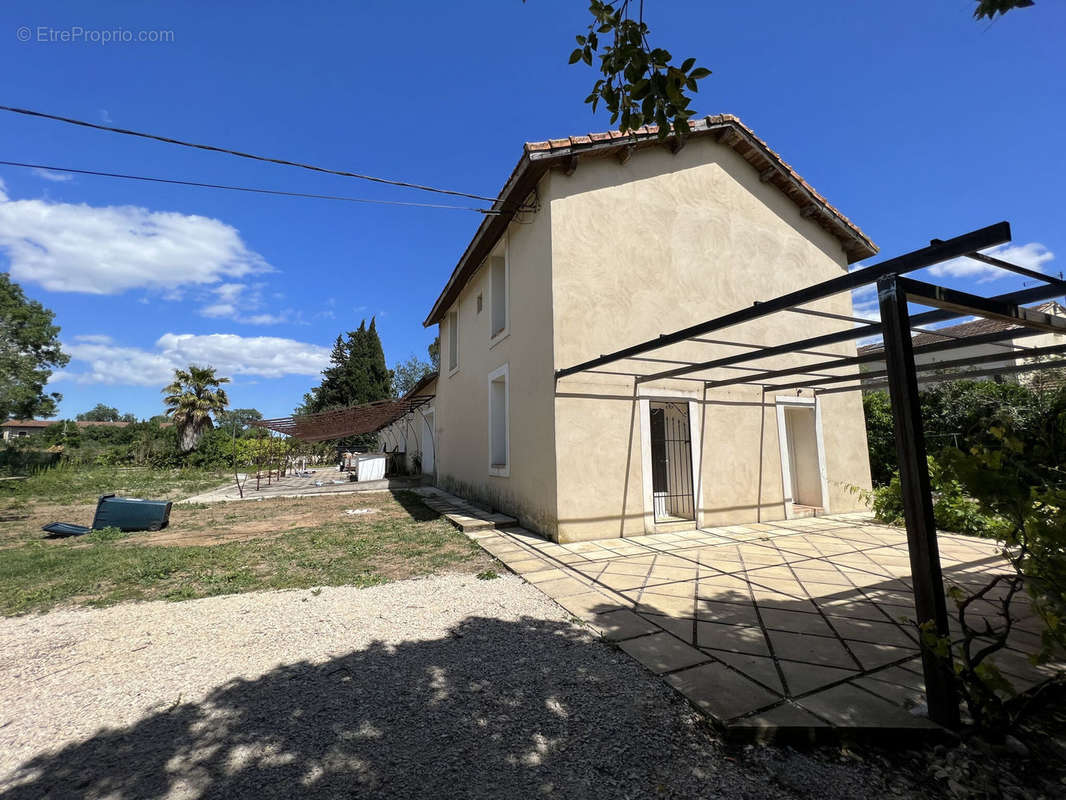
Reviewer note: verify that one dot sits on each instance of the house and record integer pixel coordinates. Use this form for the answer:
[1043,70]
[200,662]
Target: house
[412,433]
[608,240]
[19,428]
[1012,349]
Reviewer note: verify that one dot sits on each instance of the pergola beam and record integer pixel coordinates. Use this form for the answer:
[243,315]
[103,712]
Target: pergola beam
[870,358]
[989,358]
[968,375]
[342,422]
[1032,294]
[909,262]
[1015,268]
[958,302]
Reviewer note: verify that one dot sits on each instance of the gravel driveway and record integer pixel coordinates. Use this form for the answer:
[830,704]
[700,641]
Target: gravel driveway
[439,687]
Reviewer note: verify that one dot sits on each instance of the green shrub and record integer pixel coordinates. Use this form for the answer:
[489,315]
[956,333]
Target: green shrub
[953,509]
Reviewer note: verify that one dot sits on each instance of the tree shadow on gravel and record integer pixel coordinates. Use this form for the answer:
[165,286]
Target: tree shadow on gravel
[525,708]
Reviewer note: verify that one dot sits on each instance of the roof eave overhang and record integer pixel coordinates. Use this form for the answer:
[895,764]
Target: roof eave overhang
[537,159]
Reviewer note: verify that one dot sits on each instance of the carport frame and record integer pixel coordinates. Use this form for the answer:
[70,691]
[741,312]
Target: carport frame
[894,292]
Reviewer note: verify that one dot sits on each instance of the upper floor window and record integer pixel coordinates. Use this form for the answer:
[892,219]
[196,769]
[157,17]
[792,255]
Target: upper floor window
[453,341]
[498,295]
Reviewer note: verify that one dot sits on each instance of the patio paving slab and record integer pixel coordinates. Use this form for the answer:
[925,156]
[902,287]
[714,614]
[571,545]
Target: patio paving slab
[759,668]
[661,652]
[853,707]
[586,605]
[736,638]
[823,651]
[721,691]
[789,626]
[615,626]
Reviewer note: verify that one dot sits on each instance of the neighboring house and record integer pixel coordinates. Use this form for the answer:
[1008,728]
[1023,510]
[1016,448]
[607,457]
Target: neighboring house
[608,240]
[18,428]
[412,434]
[1013,349]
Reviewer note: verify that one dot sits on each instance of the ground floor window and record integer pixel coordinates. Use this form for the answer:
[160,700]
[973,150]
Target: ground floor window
[499,423]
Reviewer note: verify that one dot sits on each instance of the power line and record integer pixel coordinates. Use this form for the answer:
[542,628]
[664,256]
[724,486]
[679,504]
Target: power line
[202,185]
[168,140]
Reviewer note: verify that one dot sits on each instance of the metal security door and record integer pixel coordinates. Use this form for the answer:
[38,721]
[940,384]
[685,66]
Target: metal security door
[671,462]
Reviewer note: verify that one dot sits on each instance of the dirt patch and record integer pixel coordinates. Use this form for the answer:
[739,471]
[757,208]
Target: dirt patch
[218,523]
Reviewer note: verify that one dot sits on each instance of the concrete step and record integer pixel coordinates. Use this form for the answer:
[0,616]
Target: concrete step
[465,516]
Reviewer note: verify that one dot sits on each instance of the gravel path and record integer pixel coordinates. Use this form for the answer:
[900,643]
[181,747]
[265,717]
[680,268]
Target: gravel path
[439,687]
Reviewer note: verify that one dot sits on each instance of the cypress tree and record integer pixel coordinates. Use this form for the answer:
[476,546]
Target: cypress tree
[357,373]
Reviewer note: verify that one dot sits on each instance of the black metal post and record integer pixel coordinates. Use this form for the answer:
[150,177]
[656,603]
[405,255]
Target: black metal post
[926,576]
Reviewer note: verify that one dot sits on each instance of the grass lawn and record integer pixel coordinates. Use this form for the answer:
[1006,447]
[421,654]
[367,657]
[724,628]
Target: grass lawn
[211,549]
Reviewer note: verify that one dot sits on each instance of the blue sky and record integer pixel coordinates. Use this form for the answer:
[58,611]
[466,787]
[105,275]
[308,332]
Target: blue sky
[915,121]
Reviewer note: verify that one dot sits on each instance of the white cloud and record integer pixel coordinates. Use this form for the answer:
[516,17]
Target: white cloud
[264,319]
[56,177]
[217,310]
[869,310]
[236,301]
[99,359]
[68,247]
[94,338]
[1032,255]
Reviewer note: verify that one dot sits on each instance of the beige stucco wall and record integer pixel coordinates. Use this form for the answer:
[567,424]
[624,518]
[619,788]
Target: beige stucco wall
[461,406]
[654,245]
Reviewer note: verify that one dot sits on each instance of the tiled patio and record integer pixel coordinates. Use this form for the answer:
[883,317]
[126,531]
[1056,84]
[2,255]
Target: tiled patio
[787,625]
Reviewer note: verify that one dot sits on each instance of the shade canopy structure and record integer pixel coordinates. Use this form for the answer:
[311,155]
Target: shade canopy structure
[801,362]
[343,422]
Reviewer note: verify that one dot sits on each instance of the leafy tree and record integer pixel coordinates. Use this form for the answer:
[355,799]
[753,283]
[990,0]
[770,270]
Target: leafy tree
[191,399]
[29,351]
[408,373]
[641,84]
[434,353]
[63,433]
[241,417]
[1001,474]
[357,373]
[99,413]
[880,436]
[128,417]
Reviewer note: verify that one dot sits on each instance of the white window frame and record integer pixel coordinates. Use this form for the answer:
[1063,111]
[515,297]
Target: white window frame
[453,351]
[501,471]
[782,440]
[503,251]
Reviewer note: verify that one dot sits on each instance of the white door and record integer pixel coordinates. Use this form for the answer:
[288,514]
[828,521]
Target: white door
[803,457]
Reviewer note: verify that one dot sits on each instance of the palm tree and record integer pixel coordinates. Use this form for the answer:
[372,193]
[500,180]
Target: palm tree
[191,399]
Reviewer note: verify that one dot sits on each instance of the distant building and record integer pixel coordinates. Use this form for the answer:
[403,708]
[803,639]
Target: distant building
[19,428]
[1013,349]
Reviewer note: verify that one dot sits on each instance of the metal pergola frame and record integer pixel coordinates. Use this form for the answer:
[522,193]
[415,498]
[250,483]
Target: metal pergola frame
[894,292]
[337,424]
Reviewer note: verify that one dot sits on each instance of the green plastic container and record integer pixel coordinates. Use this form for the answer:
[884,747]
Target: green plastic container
[131,513]
[125,513]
